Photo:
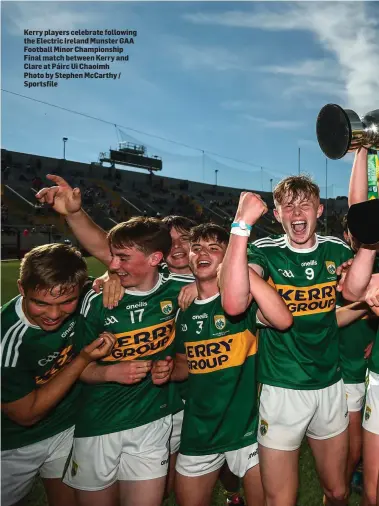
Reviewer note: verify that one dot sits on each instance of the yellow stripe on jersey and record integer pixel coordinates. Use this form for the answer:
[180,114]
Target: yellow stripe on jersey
[141,343]
[220,353]
[308,300]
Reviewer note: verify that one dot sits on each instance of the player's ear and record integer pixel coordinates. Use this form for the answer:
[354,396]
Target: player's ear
[276,214]
[20,289]
[155,258]
[320,210]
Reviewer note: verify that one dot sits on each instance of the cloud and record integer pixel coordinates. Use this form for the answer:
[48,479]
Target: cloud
[47,16]
[347,30]
[212,57]
[269,123]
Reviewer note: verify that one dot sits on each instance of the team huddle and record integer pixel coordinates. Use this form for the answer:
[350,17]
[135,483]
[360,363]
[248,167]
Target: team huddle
[198,356]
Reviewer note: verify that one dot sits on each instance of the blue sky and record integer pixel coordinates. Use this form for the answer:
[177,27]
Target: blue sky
[243,80]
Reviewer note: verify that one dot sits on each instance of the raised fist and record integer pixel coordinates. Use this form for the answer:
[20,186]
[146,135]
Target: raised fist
[250,208]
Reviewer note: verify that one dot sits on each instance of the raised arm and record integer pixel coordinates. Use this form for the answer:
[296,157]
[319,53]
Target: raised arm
[358,188]
[272,310]
[67,202]
[234,273]
[359,275]
[34,406]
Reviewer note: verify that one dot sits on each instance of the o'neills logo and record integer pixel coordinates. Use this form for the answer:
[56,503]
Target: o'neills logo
[314,299]
[142,342]
[220,353]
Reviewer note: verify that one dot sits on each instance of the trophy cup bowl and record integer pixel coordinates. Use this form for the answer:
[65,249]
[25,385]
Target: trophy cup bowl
[340,131]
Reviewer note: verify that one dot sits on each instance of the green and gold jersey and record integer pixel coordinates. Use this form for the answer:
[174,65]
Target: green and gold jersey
[221,410]
[144,326]
[353,341]
[306,356]
[30,358]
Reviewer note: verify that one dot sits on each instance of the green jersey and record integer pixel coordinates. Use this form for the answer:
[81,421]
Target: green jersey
[221,410]
[144,326]
[30,358]
[354,339]
[305,357]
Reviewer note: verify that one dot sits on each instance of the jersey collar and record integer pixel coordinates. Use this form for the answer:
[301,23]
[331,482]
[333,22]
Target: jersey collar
[20,313]
[139,293]
[205,301]
[298,250]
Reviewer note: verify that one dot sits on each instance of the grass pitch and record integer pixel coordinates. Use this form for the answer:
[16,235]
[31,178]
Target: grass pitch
[310,493]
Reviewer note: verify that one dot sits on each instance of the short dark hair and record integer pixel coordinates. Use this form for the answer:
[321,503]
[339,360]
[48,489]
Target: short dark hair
[181,223]
[146,234]
[345,228]
[207,231]
[51,265]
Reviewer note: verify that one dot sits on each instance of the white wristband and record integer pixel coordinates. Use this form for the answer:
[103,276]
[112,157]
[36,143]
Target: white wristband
[240,232]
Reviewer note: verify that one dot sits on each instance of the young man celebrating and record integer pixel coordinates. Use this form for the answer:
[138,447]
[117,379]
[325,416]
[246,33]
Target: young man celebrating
[302,391]
[178,262]
[218,354]
[355,342]
[41,363]
[362,284]
[120,453]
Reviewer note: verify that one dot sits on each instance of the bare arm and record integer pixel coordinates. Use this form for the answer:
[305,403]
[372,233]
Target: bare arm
[359,275]
[358,187]
[234,277]
[67,202]
[234,273]
[36,405]
[272,311]
[350,313]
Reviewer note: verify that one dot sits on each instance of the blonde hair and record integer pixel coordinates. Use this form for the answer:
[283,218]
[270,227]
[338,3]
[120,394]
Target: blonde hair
[296,187]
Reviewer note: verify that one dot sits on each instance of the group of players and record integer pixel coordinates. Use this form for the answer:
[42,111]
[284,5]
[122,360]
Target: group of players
[173,393]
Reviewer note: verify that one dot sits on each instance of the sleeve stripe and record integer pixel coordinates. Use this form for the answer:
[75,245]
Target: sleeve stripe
[87,302]
[16,353]
[15,331]
[15,328]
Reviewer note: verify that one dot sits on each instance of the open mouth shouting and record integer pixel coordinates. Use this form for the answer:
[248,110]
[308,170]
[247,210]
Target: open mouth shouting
[299,226]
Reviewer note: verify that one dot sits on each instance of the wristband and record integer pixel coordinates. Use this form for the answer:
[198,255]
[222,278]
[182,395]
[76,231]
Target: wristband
[240,232]
[242,225]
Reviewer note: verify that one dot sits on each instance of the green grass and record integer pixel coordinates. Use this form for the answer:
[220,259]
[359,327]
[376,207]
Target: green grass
[310,493]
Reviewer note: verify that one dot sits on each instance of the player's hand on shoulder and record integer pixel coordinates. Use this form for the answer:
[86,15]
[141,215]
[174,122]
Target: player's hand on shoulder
[187,295]
[129,372]
[99,348]
[62,197]
[250,208]
[113,291]
[341,271]
[162,370]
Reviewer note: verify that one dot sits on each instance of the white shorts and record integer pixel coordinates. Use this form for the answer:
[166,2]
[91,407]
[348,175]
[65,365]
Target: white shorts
[355,395]
[177,422]
[286,415]
[371,413]
[20,466]
[132,455]
[239,462]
